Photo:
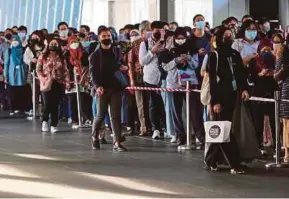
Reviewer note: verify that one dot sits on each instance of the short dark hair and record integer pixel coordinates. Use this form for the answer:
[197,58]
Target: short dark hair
[86,27]
[229,19]
[263,20]
[62,23]
[196,16]
[136,26]
[129,26]
[102,29]
[164,23]
[174,23]
[247,16]
[14,27]
[157,25]
[21,28]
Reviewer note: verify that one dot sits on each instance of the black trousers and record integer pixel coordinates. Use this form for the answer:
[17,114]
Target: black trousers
[21,97]
[156,108]
[259,110]
[85,103]
[51,101]
[109,100]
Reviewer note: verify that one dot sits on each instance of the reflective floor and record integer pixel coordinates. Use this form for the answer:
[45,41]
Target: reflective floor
[33,164]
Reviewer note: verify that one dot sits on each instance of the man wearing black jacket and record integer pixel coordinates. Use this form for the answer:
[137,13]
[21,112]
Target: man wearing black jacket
[104,63]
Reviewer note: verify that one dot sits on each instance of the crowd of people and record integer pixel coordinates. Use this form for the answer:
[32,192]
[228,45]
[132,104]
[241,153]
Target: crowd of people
[240,60]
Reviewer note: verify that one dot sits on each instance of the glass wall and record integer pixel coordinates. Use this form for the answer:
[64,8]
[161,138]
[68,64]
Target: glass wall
[118,13]
[38,14]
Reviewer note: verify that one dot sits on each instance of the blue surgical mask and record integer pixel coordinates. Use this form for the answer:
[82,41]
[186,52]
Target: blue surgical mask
[148,34]
[22,35]
[85,44]
[200,25]
[251,34]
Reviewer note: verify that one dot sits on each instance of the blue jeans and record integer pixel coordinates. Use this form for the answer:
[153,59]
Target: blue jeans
[94,111]
[169,106]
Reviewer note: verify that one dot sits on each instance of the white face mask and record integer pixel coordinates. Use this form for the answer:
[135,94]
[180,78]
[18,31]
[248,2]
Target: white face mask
[63,33]
[276,46]
[134,38]
[74,46]
[14,43]
[180,41]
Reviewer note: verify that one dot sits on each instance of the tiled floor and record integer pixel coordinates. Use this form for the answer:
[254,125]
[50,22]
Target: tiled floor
[63,165]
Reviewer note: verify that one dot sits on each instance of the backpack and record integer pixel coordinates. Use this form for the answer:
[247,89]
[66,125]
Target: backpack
[205,89]
[160,67]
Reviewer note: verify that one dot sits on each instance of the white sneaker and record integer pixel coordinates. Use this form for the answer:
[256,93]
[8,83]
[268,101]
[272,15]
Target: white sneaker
[156,135]
[69,121]
[174,139]
[17,111]
[45,127]
[75,126]
[53,129]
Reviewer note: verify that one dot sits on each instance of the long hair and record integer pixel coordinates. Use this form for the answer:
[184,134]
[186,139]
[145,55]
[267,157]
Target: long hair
[59,52]
[245,25]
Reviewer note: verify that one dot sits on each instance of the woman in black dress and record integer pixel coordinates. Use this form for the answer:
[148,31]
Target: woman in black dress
[282,75]
[224,94]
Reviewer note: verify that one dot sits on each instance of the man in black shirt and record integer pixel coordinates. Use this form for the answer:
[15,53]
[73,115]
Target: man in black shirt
[104,63]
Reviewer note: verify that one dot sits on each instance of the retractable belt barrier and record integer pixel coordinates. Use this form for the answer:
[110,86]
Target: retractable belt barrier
[276,100]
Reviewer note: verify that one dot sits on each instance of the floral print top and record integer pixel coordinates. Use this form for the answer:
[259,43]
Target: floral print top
[54,67]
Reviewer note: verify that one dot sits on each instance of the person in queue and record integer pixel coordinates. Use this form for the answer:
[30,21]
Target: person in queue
[232,23]
[136,73]
[92,37]
[31,55]
[265,31]
[224,94]
[247,45]
[51,66]
[178,58]
[278,42]
[148,58]
[78,67]
[15,29]
[22,33]
[104,63]
[282,76]
[63,31]
[15,75]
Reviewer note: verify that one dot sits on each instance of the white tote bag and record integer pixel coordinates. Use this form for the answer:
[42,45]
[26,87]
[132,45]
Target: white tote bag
[218,131]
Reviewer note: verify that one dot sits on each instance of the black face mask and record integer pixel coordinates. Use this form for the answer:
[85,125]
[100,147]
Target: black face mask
[157,35]
[228,41]
[8,36]
[53,48]
[35,41]
[106,42]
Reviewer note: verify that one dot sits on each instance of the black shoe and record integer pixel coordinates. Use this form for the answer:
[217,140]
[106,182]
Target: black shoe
[119,148]
[95,144]
[103,141]
[181,141]
[122,139]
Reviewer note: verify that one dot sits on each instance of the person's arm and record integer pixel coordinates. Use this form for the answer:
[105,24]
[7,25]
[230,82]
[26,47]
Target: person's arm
[145,56]
[241,74]
[94,71]
[204,66]
[28,56]
[6,65]
[130,66]
[39,66]
[212,69]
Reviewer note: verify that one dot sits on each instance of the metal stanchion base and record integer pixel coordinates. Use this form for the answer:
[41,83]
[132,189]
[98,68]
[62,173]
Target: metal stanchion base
[186,148]
[276,165]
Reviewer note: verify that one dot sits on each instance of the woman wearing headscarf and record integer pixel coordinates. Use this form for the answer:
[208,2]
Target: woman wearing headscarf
[15,74]
[52,71]
[31,55]
[224,94]
[78,67]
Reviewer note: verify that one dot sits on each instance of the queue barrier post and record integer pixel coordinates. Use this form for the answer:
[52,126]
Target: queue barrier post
[78,101]
[277,163]
[188,146]
[34,94]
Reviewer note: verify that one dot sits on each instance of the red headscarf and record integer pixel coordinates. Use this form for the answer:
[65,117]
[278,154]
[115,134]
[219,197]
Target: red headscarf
[75,54]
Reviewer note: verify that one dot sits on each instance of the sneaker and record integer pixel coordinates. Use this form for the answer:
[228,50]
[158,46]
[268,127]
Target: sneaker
[174,139]
[95,144]
[53,129]
[45,127]
[11,113]
[17,111]
[69,121]
[103,141]
[263,152]
[237,172]
[119,148]
[156,135]
[88,123]
[74,126]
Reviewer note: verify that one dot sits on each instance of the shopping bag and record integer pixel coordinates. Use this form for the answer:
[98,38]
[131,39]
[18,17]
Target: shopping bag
[217,131]
[244,131]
